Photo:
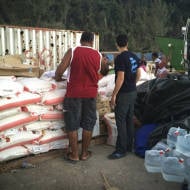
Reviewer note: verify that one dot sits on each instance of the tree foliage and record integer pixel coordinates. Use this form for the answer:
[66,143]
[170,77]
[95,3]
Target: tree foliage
[141,20]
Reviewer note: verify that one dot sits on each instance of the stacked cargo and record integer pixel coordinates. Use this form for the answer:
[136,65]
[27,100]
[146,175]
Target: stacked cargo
[31,117]
[171,156]
[31,114]
[31,111]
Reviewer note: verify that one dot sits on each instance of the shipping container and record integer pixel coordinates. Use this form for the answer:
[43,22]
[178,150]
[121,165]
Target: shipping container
[43,47]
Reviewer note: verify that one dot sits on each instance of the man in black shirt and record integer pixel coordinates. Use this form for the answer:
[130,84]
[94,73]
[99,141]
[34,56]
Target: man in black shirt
[124,97]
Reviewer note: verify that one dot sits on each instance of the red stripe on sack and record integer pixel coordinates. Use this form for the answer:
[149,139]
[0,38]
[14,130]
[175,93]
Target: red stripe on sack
[19,122]
[52,139]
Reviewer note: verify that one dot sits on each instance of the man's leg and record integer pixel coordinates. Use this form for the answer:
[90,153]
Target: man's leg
[130,131]
[86,139]
[130,122]
[87,123]
[72,121]
[73,143]
[121,110]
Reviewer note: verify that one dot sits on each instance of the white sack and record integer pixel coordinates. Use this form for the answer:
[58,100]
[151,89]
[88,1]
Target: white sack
[106,85]
[59,144]
[11,78]
[42,125]
[109,119]
[19,100]
[52,115]
[13,153]
[37,149]
[9,87]
[17,120]
[52,135]
[104,81]
[37,109]
[53,97]
[9,112]
[10,132]
[21,138]
[36,85]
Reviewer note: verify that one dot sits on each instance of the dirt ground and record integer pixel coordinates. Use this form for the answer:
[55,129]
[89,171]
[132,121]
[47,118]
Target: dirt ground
[52,172]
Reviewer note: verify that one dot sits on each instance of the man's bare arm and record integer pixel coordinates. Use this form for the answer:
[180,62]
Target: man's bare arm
[65,62]
[118,84]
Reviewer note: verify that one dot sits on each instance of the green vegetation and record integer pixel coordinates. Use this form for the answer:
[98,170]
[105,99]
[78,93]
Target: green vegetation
[172,48]
[142,20]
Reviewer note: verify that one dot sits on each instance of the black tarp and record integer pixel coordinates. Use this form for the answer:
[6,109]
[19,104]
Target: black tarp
[164,102]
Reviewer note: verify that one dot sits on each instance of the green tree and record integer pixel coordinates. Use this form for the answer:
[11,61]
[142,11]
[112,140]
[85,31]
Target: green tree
[142,20]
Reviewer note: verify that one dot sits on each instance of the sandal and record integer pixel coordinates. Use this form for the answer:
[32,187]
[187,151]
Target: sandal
[69,159]
[86,157]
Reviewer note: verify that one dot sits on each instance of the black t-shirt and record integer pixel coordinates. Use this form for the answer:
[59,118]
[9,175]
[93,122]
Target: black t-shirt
[127,62]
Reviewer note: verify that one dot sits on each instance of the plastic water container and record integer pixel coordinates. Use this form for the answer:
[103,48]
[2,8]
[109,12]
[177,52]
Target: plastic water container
[162,145]
[183,145]
[172,135]
[153,160]
[173,169]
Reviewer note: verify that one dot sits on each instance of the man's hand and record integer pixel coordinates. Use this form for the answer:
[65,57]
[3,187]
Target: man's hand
[112,102]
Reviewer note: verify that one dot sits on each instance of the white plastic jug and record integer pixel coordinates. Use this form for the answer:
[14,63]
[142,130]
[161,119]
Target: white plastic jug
[153,160]
[183,144]
[173,169]
[172,135]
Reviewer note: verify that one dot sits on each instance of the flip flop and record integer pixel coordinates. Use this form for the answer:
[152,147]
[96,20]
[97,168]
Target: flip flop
[87,157]
[68,159]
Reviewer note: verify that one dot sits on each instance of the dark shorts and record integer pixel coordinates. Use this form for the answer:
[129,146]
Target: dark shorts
[80,112]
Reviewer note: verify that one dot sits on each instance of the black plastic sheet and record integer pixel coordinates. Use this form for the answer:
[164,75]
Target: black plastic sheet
[163,100]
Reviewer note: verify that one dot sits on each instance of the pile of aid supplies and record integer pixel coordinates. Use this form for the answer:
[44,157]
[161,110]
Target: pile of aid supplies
[171,157]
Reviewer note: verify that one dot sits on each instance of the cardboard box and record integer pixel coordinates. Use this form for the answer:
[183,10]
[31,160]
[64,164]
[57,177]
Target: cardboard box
[12,66]
[10,60]
[29,71]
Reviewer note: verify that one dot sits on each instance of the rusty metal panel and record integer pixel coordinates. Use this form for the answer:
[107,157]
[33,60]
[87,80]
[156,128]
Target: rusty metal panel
[41,47]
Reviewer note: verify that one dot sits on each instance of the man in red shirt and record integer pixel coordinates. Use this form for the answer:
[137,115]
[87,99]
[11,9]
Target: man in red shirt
[83,64]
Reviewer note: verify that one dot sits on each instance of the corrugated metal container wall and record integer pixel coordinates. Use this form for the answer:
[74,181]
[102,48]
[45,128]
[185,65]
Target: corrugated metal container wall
[39,46]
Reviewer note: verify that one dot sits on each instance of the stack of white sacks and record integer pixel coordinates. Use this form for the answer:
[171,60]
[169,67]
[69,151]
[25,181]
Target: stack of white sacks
[31,116]
[171,157]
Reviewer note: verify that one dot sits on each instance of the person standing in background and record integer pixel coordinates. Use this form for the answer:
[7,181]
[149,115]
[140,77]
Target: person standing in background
[156,61]
[162,71]
[104,66]
[84,64]
[124,97]
[142,74]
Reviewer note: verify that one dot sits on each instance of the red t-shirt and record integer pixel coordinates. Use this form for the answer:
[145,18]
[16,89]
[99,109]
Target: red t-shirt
[83,75]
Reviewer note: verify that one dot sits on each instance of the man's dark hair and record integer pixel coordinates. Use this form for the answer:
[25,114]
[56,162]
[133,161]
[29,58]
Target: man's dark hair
[155,54]
[122,40]
[87,37]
